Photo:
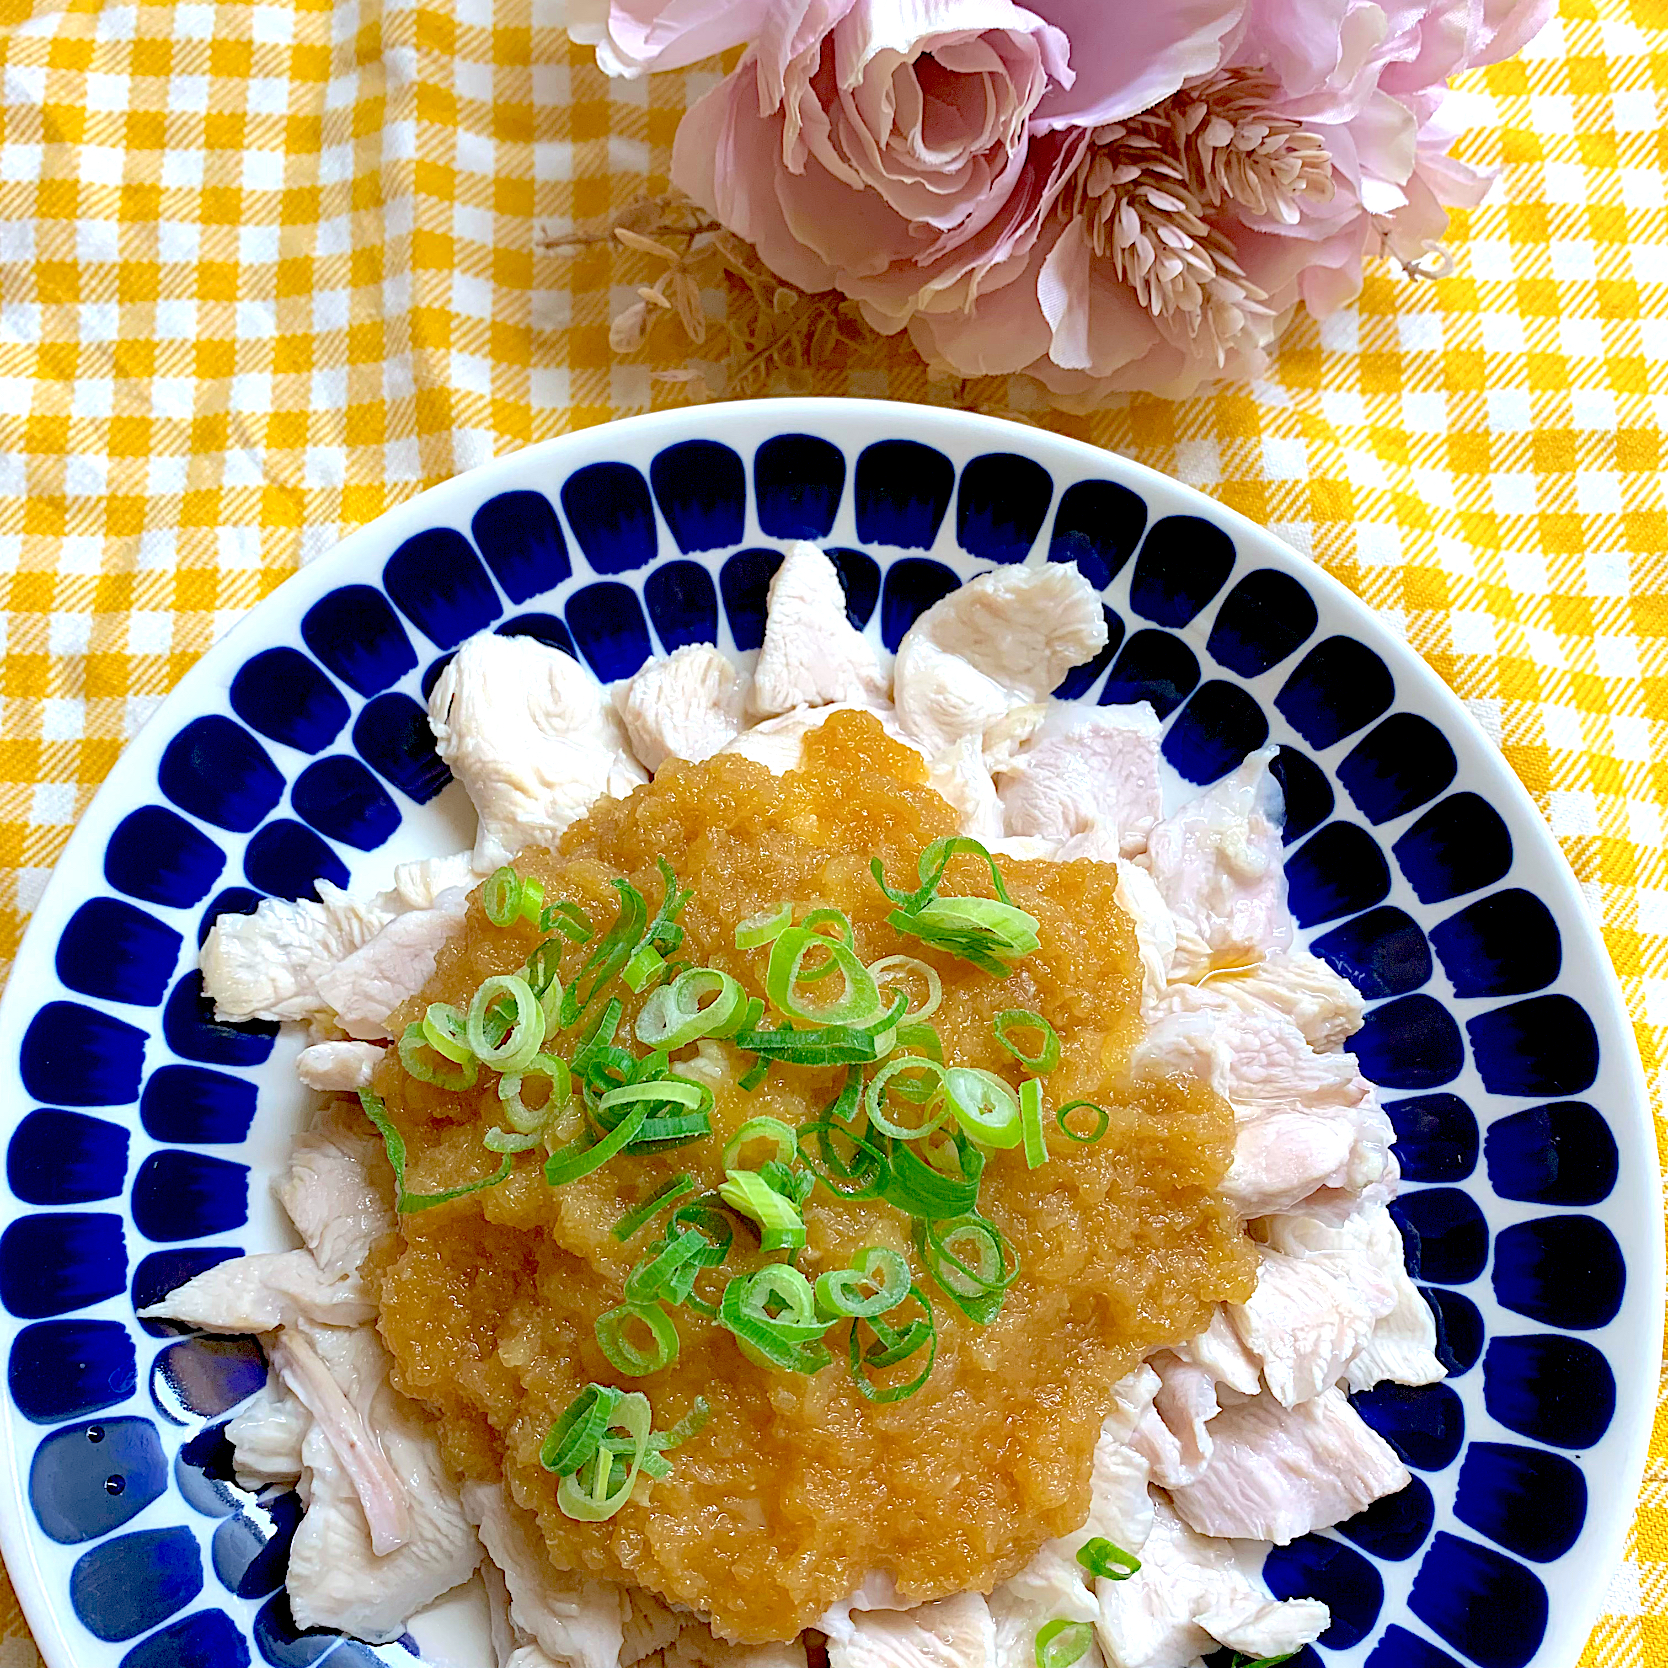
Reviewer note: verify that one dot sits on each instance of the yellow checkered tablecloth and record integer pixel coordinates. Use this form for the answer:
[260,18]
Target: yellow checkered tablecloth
[268,267]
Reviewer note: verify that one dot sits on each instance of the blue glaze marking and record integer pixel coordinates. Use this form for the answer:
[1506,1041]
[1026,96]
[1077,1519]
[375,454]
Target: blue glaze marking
[235,900]
[911,586]
[191,1030]
[1459,1329]
[1425,1425]
[1506,944]
[284,695]
[1382,953]
[88,1480]
[69,1369]
[358,636]
[205,1472]
[156,856]
[1340,686]
[1544,1045]
[342,800]
[186,1195]
[744,581]
[1457,846]
[204,1639]
[288,860]
[1409,1043]
[1001,504]
[1561,1153]
[1308,793]
[66,1158]
[609,629]
[608,508]
[1563,1271]
[701,488]
[1552,1389]
[61,1260]
[1397,767]
[1348,1584]
[1097,527]
[189,1103]
[198,1379]
[1395,1527]
[78,1056]
[1487,1606]
[1400,1649]
[1217,728]
[130,1584]
[860,579]
[902,491]
[1265,617]
[393,737]
[682,604]
[1181,565]
[798,481]
[1339,870]
[522,541]
[284,1645]
[215,770]
[1529,1501]
[542,628]
[1445,1232]
[436,580]
[1436,1137]
[1152,666]
[1081,679]
[159,1273]
[252,1548]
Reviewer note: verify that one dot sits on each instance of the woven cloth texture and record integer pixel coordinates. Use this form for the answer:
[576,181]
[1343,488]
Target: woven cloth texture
[269,268]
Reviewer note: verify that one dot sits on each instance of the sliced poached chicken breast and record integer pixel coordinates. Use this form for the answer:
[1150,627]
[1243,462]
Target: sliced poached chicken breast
[687,706]
[812,655]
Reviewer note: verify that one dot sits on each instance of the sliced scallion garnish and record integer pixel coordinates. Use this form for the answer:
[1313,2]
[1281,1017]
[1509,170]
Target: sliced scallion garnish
[760,929]
[657,1276]
[701,1002]
[874,1099]
[773,1316]
[501,896]
[839,1292]
[781,1227]
[782,1137]
[580,1158]
[530,1120]
[578,1429]
[630,1358]
[679,1187]
[1046,1056]
[860,1001]
[1061,1643]
[971,1260]
[1101,1127]
[813,923]
[922,1189]
[1030,1123]
[890,970]
[892,1345]
[424,1062]
[394,1144]
[1107,1560]
[646,965]
[446,1032]
[597,1490]
[985,1107]
[610,954]
[514,1050]
[568,919]
[833,1045]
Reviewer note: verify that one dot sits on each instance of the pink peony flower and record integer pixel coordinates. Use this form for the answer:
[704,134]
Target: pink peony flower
[632,37]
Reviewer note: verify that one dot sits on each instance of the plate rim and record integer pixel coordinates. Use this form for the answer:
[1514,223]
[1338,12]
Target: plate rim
[890,418]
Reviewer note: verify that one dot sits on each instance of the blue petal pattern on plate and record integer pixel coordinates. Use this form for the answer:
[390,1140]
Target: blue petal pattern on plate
[1430,892]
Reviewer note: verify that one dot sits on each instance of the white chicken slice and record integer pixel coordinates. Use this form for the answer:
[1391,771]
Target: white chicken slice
[262,1292]
[337,1066]
[650,1625]
[1155,932]
[335,1579]
[533,738]
[952,1632]
[1087,771]
[1309,1317]
[575,1618]
[417,885]
[1402,1343]
[775,743]
[1276,1473]
[697,1647]
[336,1191]
[1331,1160]
[1325,1008]
[811,654]
[960,776]
[1002,641]
[267,965]
[1219,1351]
[266,1434]
[1173,1435]
[1217,863]
[366,987]
[1191,1595]
[685,706]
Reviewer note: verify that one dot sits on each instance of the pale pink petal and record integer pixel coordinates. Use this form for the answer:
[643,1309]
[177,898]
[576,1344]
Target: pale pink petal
[632,37]
[1063,295]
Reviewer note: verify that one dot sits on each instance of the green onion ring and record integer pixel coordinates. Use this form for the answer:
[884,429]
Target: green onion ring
[642,967]
[781,1227]
[781,1135]
[1046,1058]
[976,1291]
[445,1030]
[412,1045]
[394,1145]
[626,1357]
[578,1429]
[860,1002]
[1061,1643]
[881,970]
[924,1039]
[875,1264]
[892,1345]
[874,1098]
[601,1498]
[1070,1134]
[1030,1123]
[532,901]
[834,1172]
[578,1159]
[609,955]
[652,1278]
[501,896]
[525,1036]
[760,929]
[568,919]
[679,1187]
[791,1342]
[921,1189]
[826,917]
[674,1016]
[1106,1560]
[985,1107]
[527,1120]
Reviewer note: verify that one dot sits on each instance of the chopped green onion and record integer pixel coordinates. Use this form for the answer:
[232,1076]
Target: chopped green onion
[610,954]
[892,1346]
[501,897]
[642,968]
[695,1420]
[1061,1643]
[984,1105]
[1030,1123]
[664,929]
[835,1045]
[921,1189]
[860,1002]
[930,866]
[515,1050]
[1070,1134]
[394,1144]
[924,1039]
[874,1099]
[526,1120]
[674,1016]
[676,1091]
[1262,1661]
[782,1137]
[580,1158]
[866,1167]
[788,1336]
[1046,1057]
[656,1277]
[760,929]
[794,1185]
[532,900]
[599,1037]
[877,1265]
[826,917]
[446,1033]
[1103,1558]
[975,1286]
[414,1043]
[884,972]
[753,1077]
[678,1187]
[568,919]
[781,1227]
[592,1494]
[626,1357]
[750,1015]
[578,1429]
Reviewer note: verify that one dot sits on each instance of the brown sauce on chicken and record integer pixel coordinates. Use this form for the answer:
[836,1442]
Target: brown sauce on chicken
[798,1487]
